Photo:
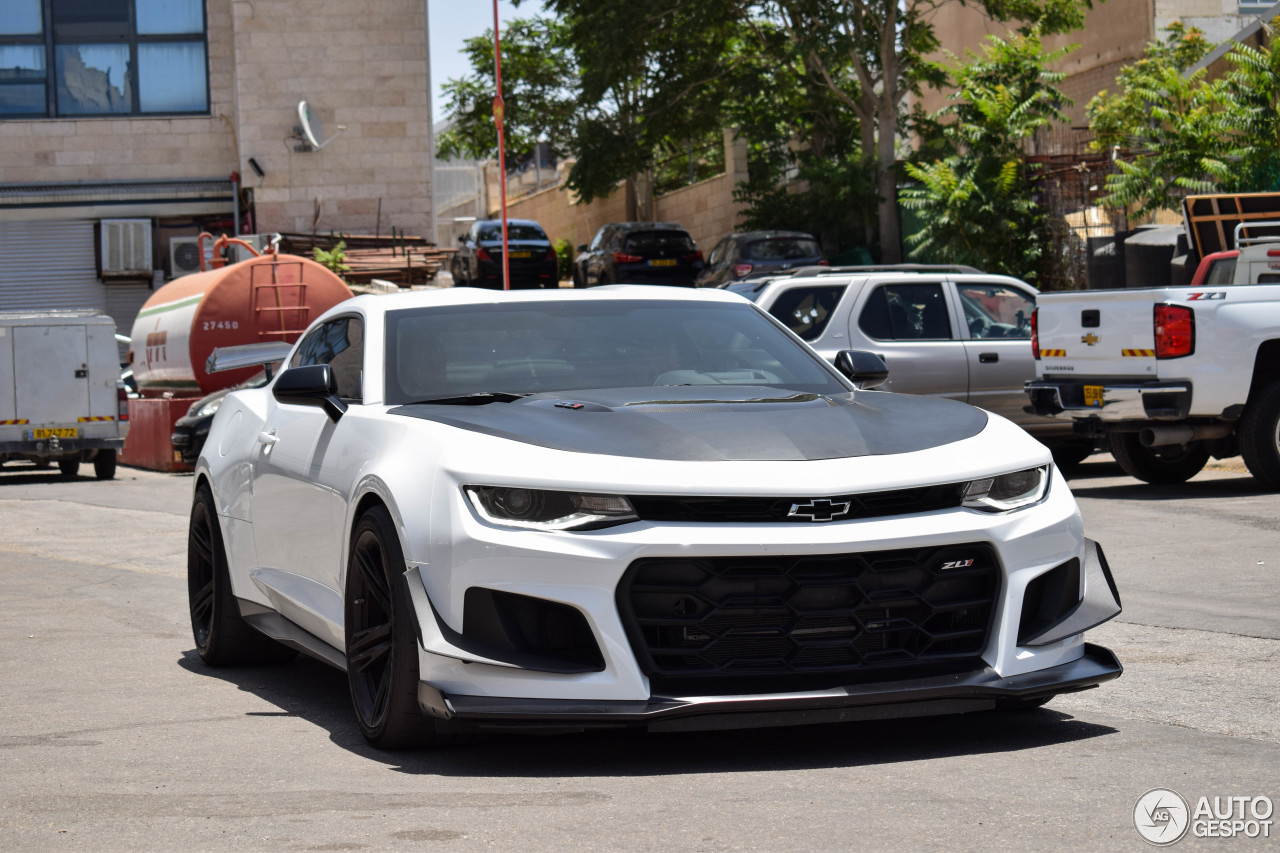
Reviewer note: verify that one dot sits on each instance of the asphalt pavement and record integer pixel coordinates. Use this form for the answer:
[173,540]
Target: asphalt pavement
[115,737]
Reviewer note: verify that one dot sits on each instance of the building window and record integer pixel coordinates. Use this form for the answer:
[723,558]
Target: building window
[78,58]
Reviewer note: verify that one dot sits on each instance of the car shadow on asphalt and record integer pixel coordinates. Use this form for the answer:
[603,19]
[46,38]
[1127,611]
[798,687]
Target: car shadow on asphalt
[1134,490]
[317,693]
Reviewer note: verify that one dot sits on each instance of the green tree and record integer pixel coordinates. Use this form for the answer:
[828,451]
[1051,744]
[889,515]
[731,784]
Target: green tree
[870,55]
[540,92]
[1171,129]
[978,202]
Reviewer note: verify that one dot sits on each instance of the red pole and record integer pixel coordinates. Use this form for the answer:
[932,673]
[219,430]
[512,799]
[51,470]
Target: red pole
[498,107]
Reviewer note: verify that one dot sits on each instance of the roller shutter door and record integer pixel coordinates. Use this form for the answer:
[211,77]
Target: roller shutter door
[49,265]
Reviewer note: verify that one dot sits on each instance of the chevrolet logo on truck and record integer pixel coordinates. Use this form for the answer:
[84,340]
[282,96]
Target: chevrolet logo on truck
[1089,339]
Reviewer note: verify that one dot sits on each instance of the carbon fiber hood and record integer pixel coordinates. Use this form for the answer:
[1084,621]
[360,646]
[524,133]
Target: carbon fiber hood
[729,423]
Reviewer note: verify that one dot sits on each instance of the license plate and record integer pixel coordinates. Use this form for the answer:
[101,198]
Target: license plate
[1093,395]
[663,263]
[50,432]
[522,254]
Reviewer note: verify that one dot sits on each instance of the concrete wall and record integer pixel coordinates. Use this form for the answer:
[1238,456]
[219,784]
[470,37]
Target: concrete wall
[97,149]
[706,209]
[359,63]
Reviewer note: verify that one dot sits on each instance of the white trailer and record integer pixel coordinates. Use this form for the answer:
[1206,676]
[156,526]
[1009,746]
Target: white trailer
[60,395]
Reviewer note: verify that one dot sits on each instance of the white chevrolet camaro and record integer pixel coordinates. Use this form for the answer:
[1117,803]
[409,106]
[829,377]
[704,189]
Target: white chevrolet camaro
[630,506]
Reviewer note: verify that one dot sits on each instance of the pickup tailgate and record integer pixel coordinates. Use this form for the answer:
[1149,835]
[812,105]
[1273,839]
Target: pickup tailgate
[1098,333]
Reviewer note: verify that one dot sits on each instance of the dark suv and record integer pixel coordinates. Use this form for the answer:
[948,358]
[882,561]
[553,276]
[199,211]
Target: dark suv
[754,253]
[478,262]
[638,253]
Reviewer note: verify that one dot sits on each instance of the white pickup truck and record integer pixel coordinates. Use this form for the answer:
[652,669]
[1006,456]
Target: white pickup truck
[1171,376]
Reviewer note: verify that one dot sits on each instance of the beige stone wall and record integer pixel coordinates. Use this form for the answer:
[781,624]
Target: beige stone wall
[706,209]
[360,63]
[94,149]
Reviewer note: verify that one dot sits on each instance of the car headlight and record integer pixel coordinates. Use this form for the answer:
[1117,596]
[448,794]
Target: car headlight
[539,509]
[1008,491]
[203,411]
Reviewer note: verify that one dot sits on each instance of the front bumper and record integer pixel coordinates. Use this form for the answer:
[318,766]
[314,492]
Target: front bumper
[949,694]
[1121,401]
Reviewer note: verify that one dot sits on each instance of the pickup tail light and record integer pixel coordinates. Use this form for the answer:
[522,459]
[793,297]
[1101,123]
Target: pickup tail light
[1175,328]
[122,404]
[741,270]
[624,258]
[1035,334]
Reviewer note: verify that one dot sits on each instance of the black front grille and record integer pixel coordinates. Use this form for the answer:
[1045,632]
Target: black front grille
[797,622]
[866,505]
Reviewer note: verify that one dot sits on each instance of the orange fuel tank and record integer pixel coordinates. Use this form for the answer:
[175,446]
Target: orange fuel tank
[266,298]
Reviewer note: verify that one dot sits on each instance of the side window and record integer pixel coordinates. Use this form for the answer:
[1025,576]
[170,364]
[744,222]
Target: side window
[1222,271]
[339,344]
[996,311]
[905,312]
[717,254]
[807,310]
[597,241]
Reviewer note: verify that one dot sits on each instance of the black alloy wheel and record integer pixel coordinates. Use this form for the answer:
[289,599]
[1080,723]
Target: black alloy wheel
[222,637]
[1170,463]
[382,653]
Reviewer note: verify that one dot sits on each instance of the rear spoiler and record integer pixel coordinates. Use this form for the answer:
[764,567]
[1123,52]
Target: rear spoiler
[247,355]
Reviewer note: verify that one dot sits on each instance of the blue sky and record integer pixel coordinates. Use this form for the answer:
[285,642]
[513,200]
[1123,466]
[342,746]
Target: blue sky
[455,20]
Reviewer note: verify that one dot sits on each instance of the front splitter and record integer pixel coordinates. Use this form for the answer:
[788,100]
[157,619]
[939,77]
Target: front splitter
[950,694]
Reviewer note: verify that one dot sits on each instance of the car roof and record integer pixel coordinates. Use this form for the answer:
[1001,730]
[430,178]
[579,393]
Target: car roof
[958,274]
[372,304]
[509,222]
[769,235]
[646,226]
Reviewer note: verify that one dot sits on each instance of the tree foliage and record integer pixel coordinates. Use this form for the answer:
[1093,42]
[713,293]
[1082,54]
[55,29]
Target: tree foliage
[1171,128]
[540,92]
[978,202]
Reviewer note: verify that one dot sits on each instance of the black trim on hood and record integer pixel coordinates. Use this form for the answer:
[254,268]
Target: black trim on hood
[717,423]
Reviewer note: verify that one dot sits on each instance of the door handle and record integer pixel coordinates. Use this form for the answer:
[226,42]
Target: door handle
[267,438]
[988,357]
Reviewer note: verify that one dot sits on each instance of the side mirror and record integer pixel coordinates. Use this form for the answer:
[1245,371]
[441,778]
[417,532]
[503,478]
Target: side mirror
[462,238]
[312,385]
[864,369]
[582,248]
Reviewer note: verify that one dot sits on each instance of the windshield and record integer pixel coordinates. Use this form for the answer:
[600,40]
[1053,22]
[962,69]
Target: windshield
[646,242]
[448,352]
[515,231]
[781,249]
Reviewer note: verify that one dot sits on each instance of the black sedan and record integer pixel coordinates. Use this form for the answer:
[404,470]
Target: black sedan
[478,262]
[754,253]
[638,253]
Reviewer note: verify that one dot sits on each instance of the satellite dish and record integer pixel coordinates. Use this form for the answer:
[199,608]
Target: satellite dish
[310,131]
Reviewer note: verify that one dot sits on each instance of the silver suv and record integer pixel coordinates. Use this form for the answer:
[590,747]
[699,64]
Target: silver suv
[946,331]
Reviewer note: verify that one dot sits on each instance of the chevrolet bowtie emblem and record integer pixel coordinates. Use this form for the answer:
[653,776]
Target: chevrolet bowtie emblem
[821,509]
[1090,339]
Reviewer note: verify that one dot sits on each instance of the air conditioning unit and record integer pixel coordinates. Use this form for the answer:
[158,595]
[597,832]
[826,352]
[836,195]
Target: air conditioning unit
[184,255]
[126,249]
[258,241]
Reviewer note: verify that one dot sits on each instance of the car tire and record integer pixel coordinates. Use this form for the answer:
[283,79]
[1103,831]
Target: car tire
[382,646]
[455,270]
[222,637]
[1260,437]
[69,467]
[1173,463]
[577,278]
[104,465]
